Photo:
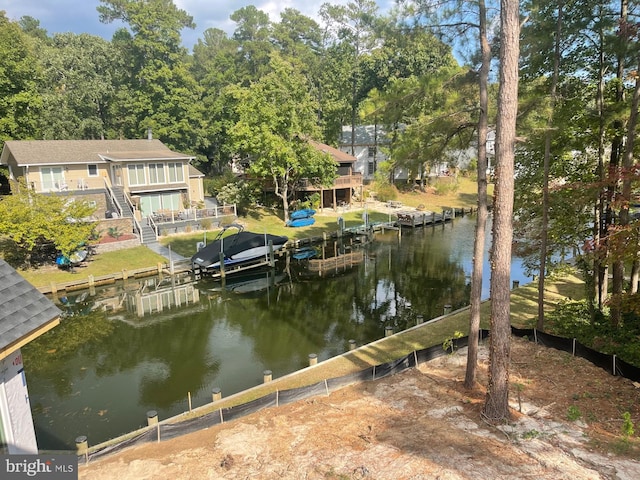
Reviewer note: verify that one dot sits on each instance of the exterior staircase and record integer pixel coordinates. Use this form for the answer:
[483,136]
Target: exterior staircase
[148,234]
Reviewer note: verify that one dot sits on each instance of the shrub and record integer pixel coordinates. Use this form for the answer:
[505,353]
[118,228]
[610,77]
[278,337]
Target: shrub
[213,186]
[242,193]
[385,192]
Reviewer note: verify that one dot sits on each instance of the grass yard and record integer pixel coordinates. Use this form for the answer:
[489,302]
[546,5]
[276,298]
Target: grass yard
[98,265]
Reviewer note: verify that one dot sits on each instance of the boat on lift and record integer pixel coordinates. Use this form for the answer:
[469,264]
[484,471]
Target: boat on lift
[237,249]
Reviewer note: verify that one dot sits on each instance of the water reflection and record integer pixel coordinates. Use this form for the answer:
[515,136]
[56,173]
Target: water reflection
[149,344]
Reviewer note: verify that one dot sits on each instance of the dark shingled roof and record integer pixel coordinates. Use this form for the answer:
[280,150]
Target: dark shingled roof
[23,309]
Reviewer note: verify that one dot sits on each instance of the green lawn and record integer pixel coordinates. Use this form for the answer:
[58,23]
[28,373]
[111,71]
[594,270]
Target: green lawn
[97,266]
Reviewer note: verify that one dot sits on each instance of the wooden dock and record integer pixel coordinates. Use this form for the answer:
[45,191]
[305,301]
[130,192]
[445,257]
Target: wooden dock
[422,218]
[416,218]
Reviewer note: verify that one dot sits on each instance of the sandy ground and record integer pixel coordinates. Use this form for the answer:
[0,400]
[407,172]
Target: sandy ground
[419,424]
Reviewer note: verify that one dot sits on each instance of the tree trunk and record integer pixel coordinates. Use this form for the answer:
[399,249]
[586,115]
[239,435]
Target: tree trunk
[481,219]
[546,168]
[600,273]
[627,164]
[496,407]
[614,173]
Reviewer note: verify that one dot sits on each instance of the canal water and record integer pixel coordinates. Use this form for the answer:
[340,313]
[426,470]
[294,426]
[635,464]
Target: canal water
[153,344]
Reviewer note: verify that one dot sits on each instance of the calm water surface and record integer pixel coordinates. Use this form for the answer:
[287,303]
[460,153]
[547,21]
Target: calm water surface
[147,345]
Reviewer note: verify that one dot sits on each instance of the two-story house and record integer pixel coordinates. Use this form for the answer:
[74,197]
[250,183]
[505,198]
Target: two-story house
[123,178]
[371,142]
[368,145]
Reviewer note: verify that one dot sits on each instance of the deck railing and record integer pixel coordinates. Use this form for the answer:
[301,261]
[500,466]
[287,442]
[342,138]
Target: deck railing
[192,214]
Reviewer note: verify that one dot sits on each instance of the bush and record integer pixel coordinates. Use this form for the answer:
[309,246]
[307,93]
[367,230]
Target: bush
[572,319]
[213,186]
[242,193]
[385,192]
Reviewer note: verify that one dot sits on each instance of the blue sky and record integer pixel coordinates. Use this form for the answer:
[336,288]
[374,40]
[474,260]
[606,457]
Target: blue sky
[80,16]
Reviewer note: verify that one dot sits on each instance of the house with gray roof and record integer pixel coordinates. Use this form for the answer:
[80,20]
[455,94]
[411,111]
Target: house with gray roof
[25,314]
[369,144]
[134,179]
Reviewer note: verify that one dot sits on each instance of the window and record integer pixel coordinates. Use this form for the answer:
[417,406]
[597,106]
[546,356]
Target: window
[136,174]
[372,152]
[175,172]
[52,178]
[371,168]
[92,170]
[156,173]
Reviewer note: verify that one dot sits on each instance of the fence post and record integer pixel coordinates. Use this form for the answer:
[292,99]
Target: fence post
[82,447]
[152,418]
[216,394]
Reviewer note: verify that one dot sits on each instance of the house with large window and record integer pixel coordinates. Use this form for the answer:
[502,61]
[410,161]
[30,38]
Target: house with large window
[134,179]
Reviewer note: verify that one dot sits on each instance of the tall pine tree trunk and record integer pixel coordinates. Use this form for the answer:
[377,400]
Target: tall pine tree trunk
[546,166]
[496,407]
[481,219]
[617,149]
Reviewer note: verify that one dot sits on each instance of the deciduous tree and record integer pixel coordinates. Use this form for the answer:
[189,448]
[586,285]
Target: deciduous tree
[277,119]
[29,219]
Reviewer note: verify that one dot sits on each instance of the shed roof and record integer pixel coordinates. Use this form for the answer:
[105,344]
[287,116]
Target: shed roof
[56,152]
[25,313]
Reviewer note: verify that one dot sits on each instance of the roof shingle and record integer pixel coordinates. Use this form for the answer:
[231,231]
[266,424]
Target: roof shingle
[23,309]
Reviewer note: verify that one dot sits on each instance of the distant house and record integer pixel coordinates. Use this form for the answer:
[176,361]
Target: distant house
[25,314]
[369,145]
[131,179]
[371,142]
[346,186]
